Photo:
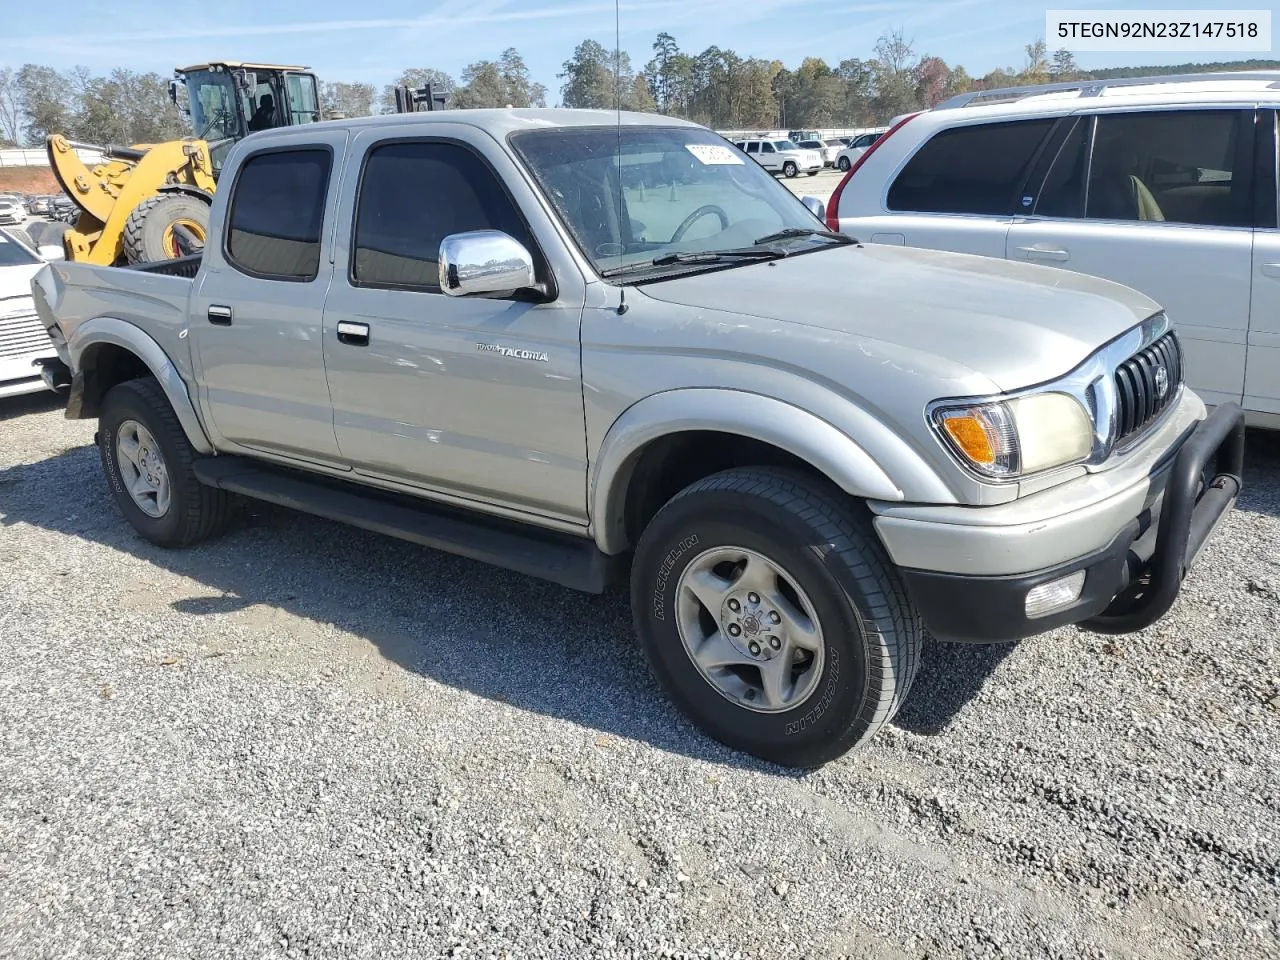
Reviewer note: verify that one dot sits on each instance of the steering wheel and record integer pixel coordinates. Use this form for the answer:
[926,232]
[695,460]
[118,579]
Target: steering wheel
[691,219]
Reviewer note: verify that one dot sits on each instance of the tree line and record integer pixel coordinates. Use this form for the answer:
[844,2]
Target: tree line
[716,87]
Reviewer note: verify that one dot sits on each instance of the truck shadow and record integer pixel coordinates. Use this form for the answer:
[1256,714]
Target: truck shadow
[493,633]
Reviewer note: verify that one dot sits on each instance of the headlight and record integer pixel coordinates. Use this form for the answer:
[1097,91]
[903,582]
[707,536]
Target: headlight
[1012,438]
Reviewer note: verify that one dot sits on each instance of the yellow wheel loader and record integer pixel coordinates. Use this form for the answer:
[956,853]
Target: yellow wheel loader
[149,202]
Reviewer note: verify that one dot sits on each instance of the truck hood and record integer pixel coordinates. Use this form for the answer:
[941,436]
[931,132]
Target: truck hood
[1015,324]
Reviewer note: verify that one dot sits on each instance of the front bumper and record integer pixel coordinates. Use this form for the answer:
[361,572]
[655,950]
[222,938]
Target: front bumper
[1131,582]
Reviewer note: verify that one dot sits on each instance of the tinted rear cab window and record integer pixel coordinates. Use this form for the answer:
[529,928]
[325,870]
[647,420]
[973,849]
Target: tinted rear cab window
[976,169]
[277,213]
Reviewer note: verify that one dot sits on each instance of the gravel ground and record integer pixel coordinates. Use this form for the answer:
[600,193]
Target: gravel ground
[306,741]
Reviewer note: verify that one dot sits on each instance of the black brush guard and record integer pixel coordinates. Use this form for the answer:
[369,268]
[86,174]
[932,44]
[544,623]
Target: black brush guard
[1202,486]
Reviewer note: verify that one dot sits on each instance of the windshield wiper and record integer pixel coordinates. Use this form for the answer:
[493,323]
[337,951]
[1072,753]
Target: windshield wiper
[709,256]
[790,232]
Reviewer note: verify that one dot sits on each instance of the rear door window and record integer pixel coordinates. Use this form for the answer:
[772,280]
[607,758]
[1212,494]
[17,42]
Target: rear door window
[1175,166]
[977,169]
[277,213]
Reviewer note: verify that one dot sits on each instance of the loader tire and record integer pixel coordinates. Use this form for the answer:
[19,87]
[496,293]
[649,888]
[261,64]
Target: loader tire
[148,232]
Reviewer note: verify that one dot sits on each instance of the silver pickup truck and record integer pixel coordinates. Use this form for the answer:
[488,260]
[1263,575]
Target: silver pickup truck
[591,348]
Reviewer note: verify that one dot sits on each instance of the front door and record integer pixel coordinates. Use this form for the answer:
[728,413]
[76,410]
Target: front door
[1161,201]
[470,397]
[256,311]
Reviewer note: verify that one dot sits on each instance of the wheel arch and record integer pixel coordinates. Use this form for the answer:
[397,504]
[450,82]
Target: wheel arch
[106,351]
[188,190]
[673,438]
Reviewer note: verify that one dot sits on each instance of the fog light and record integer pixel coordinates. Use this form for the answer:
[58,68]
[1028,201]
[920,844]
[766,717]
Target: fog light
[1054,595]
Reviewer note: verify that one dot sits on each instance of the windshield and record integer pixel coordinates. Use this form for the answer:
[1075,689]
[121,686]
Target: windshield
[13,254]
[215,111]
[684,190]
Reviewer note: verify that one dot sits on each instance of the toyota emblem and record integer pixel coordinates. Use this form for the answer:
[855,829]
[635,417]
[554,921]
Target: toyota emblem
[1162,382]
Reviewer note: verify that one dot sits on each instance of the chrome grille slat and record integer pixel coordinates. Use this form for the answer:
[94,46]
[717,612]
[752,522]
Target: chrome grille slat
[1138,399]
[21,335]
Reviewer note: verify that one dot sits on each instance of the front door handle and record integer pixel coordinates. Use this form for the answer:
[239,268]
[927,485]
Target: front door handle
[353,334]
[1271,269]
[220,315]
[1042,251]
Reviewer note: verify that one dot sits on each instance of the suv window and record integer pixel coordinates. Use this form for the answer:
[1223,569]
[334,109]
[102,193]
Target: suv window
[412,196]
[974,169]
[766,147]
[277,213]
[1177,166]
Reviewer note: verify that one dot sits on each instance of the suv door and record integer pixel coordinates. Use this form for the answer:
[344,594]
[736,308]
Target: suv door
[958,191]
[1262,365]
[256,309]
[471,398]
[1160,200]
[769,157]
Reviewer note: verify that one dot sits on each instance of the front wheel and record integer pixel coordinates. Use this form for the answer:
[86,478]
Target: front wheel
[771,615]
[789,169]
[843,164]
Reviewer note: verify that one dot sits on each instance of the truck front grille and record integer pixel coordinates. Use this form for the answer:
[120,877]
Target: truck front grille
[1146,384]
[21,332]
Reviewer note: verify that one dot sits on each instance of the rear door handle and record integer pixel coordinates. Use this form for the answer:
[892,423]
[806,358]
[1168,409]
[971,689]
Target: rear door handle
[1044,252]
[220,315]
[353,334]
[1271,269]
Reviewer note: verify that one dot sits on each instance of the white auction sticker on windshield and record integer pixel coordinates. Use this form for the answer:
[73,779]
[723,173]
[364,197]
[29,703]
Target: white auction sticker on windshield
[712,153]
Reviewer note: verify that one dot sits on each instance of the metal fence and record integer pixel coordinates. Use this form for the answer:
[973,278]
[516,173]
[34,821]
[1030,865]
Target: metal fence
[36,157]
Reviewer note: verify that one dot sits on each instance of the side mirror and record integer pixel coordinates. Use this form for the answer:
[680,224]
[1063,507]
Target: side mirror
[484,261]
[816,207]
[49,251]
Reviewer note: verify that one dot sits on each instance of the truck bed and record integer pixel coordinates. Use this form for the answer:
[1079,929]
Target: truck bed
[152,297]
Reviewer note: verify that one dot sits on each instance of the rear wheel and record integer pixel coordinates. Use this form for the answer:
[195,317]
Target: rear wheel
[789,169]
[772,617]
[148,462]
[153,230]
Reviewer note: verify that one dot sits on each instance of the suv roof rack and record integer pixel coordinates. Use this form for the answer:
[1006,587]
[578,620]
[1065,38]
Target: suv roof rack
[1093,88]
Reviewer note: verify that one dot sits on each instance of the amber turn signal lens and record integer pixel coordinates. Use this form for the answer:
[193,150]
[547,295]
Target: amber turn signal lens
[970,434]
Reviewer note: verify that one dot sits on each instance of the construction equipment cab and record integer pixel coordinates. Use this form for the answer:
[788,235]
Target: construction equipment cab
[149,202]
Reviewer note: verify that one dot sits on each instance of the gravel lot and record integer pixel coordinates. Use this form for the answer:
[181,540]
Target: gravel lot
[306,741]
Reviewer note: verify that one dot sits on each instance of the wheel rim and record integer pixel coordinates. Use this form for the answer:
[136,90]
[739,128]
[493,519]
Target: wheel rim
[170,239]
[749,629]
[142,468]
[844,163]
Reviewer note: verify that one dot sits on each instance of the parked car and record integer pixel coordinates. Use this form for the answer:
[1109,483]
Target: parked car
[782,156]
[12,210]
[458,328]
[38,205]
[23,339]
[64,208]
[823,148]
[855,148]
[1165,184]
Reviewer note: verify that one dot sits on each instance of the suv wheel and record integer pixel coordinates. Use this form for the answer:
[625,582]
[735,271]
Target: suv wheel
[789,169]
[772,617]
[147,459]
[844,164]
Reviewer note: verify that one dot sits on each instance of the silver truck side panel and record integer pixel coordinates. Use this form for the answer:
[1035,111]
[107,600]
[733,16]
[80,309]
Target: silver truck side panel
[111,330]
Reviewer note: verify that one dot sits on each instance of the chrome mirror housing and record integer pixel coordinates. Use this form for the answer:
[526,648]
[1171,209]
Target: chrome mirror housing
[484,262]
[816,207]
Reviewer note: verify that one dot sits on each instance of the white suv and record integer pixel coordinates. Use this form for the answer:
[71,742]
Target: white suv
[782,156]
[1166,184]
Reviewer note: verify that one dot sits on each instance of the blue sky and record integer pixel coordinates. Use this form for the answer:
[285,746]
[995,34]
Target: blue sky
[373,40]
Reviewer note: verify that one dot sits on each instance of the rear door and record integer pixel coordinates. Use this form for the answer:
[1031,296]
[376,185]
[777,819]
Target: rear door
[959,190]
[256,309]
[1262,364]
[1162,201]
